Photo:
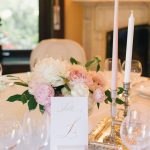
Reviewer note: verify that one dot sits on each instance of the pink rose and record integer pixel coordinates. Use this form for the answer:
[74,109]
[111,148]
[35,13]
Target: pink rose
[42,92]
[99,95]
[78,74]
[98,80]
[34,83]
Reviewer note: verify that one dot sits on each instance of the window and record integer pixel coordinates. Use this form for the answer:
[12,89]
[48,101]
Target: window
[24,24]
[19,18]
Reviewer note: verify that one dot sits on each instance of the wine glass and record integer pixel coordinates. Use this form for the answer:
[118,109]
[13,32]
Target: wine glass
[36,129]
[10,131]
[108,69]
[136,70]
[135,131]
[4,81]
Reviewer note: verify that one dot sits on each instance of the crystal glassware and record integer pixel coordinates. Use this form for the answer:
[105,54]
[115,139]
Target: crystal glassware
[108,65]
[10,131]
[135,131]
[136,70]
[108,69]
[36,130]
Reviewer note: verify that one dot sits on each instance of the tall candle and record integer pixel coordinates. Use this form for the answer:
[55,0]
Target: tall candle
[129,48]
[115,49]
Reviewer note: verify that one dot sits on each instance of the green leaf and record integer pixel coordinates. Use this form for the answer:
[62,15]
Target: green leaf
[120,90]
[74,61]
[108,93]
[119,101]
[89,63]
[98,67]
[41,107]
[21,83]
[14,98]
[97,59]
[109,99]
[98,105]
[31,100]
[32,103]
[24,97]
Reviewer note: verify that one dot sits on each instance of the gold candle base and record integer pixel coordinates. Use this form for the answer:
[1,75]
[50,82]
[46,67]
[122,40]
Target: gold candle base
[107,133]
[100,137]
[126,87]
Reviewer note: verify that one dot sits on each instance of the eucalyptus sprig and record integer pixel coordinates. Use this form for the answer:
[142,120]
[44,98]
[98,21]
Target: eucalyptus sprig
[108,99]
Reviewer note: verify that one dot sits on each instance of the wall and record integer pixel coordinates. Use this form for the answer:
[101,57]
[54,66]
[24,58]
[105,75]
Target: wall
[73,21]
[98,20]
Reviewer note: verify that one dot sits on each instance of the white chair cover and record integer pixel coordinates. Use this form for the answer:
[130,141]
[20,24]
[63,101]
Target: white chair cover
[57,48]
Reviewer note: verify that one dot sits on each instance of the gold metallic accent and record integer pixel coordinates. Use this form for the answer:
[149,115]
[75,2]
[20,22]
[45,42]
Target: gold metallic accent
[100,137]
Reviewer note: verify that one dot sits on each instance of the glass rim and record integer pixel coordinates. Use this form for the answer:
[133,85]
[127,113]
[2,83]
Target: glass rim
[111,59]
[133,60]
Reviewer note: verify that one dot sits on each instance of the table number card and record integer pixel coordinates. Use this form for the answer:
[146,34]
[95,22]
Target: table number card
[69,123]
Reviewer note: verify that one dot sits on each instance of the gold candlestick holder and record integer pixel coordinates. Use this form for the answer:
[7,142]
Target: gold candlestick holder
[107,133]
[110,139]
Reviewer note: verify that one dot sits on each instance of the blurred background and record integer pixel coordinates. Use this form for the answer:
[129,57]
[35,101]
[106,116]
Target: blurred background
[24,23]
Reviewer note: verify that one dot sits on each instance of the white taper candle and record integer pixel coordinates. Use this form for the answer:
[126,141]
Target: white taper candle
[129,48]
[115,49]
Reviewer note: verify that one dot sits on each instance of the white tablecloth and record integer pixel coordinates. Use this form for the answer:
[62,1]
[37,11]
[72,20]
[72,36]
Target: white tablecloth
[18,109]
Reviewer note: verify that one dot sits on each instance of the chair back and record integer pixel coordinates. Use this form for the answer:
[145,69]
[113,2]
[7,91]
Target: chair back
[57,48]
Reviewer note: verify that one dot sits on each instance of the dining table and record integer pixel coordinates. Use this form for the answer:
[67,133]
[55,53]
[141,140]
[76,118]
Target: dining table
[138,101]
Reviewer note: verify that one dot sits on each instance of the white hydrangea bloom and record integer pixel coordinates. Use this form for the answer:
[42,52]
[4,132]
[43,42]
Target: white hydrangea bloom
[51,70]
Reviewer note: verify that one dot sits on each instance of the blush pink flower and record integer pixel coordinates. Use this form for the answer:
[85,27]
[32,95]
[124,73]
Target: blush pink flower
[99,95]
[42,92]
[34,83]
[98,80]
[78,74]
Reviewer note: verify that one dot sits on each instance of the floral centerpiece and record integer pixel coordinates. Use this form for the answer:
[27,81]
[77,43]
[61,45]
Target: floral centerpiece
[52,77]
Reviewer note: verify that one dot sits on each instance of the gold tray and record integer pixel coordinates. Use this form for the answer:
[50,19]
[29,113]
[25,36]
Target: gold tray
[98,137]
